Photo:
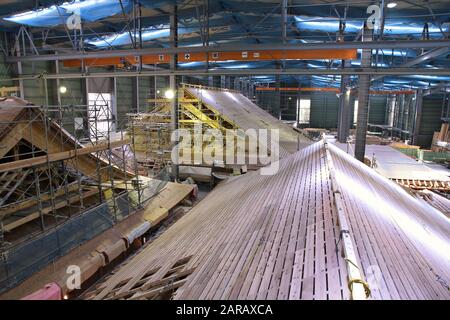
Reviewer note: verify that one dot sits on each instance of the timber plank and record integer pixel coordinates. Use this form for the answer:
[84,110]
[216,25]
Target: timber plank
[277,237]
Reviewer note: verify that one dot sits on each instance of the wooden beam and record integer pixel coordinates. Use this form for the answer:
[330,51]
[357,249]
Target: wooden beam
[25,163]
[157,291]
[4,90]
[31,202]
[11,139]
[58,205]
[35,134]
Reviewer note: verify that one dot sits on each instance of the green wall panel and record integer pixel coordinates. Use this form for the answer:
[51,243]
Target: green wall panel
[377,109]
[430,120]
[324,110]
[124,91]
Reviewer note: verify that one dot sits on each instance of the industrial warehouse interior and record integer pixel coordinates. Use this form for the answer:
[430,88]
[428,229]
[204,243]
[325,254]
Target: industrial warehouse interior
[224,150]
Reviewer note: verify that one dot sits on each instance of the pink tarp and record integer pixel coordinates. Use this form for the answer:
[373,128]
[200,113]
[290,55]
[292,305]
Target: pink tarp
[50,291]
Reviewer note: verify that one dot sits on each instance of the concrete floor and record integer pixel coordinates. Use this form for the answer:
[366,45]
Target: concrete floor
[395,165]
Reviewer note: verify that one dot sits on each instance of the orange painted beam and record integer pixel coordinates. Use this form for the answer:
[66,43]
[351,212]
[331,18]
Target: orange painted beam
[347,54]
[102,62]
[92,62]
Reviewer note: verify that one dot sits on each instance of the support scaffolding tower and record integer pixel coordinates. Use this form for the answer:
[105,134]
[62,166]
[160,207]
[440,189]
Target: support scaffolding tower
[65,177]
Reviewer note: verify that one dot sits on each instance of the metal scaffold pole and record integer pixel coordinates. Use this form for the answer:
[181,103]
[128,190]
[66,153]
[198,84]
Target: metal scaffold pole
[173,84]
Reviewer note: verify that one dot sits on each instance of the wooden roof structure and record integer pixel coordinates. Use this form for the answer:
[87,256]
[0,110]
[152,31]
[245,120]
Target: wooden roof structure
[281,237]
[247,115]
[21,120]
[34,149]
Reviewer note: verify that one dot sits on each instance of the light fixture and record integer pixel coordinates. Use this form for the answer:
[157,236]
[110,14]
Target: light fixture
[169,94]
[157,91]
[391,5]
[62,89]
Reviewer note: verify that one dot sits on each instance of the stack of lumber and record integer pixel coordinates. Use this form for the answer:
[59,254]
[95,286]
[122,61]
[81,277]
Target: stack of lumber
[4,91]
[314,133]
[401,145]
[372,139]
[436,200]
[441,138]
[277,237]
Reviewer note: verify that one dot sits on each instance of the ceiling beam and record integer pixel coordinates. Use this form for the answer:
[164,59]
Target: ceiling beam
[434,53]
[246,72]
[237,47]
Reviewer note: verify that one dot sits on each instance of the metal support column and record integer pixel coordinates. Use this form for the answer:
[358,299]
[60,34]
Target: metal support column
[417,116]
[114,103]
[245,87]
[172,80]
[297,107]
[344,110]
[251,89]
[135,97]
[391,110]
[401,114]
[236,84]
[277,111]
[19,69]
[363,99]
[58,84]
[344,95]
[138,98]
[228,82]
[283,20]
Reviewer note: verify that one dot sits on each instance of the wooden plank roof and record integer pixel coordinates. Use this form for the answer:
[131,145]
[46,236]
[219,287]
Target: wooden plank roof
[277,237]
[248,115]
[21,120]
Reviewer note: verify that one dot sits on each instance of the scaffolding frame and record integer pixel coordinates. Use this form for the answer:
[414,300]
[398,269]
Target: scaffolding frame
[62,179]
[60,189]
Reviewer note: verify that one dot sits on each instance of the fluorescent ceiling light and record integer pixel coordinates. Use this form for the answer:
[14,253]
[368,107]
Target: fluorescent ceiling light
[391,5]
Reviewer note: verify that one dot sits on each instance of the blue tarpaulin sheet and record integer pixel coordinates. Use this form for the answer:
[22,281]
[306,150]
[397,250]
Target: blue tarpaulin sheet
[88,10]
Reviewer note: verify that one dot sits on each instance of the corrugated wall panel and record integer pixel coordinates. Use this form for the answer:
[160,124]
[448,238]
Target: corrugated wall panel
[124,93]
[34,90]
[430,120]
[324,107]
[75,92]
[377,109]
[266,100]
[324,110]
[144,93]
[5,69]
